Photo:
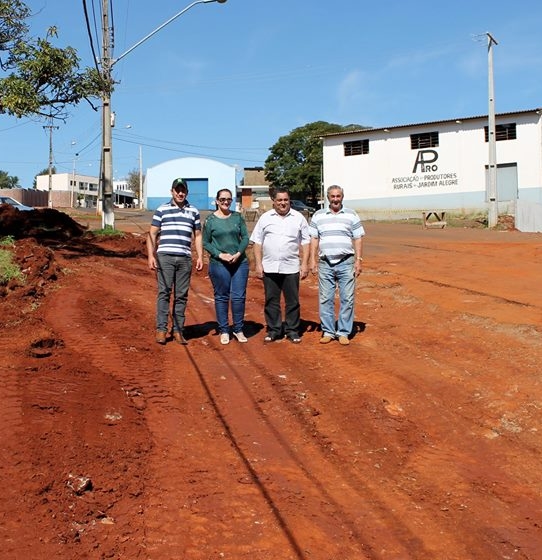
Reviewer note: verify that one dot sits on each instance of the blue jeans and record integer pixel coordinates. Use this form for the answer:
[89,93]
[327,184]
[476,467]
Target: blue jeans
[329,277]
[173,272]
[229,284]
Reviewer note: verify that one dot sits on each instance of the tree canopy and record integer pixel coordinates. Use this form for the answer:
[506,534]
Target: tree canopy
[295,160]
[133,182]
[36,77]
[8,181]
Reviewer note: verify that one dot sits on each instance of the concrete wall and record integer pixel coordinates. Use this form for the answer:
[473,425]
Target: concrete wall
[528,217]
[30,197]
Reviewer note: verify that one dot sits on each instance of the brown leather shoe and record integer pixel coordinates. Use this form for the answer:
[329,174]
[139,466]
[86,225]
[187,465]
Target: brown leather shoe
[325,339]
[160,337]
[179,338]
[344,340]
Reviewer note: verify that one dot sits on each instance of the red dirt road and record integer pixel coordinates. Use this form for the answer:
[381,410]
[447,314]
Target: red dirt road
[421,440]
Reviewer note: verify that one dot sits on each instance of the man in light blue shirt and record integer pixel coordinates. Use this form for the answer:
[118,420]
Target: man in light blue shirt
[336,254]
[280,235]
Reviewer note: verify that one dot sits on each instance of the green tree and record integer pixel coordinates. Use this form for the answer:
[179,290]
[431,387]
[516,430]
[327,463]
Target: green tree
[133,182]
[8,181]
[295,160]
[39,78]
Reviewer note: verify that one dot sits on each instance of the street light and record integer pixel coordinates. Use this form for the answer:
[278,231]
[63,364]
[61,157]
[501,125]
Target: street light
[107,63]
[73,175]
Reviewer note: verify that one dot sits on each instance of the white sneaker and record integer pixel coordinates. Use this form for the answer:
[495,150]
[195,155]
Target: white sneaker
[240,336]
[224,338]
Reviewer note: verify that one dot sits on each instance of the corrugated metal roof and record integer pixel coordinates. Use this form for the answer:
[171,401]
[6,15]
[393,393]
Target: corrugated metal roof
[395,127]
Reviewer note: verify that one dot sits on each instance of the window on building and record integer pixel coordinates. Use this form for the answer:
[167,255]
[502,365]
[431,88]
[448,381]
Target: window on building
[356,148]
[502,132]
[424,140]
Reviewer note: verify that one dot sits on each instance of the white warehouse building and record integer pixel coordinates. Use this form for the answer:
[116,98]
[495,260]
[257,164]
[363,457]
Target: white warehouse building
[402,171]
[204,177]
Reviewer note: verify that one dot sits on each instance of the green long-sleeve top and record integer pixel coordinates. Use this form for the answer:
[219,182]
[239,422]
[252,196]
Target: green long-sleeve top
[225,235]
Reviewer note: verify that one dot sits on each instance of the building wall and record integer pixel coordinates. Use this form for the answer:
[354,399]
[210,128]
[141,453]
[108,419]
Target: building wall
[392,178]
[255,176]
[66,192]
[207,174]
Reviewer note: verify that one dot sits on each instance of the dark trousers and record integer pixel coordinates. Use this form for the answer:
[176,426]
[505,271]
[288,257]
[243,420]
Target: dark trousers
[173,272]
[276,284]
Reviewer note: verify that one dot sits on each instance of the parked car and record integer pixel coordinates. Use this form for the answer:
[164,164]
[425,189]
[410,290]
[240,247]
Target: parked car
[15,203]
[300,206]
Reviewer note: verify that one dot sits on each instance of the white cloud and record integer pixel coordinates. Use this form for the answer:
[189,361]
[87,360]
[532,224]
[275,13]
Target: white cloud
[350,89]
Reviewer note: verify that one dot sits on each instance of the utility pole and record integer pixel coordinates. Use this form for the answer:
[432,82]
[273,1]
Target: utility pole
[493,212]
[50,195]
[73,180]
[106,167]
[141,204]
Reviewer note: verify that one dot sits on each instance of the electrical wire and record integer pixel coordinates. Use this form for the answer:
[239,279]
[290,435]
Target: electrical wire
[94,57]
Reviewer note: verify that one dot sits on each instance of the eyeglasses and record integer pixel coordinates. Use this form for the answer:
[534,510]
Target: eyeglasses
[225,199]
[179,189]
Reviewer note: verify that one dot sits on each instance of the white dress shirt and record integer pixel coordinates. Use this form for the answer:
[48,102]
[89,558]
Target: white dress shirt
[280,238]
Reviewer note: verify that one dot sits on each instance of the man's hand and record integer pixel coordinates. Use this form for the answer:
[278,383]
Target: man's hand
[357,268]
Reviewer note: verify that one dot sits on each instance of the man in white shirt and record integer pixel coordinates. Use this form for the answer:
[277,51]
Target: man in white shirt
[279,237]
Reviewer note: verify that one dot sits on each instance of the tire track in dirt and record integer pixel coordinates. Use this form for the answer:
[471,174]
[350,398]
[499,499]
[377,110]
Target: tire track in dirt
[455,384]
[177,411]
[12,459]
[268,428]
[289,452]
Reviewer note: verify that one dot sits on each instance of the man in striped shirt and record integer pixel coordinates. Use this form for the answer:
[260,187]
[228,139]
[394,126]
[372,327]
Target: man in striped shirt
[336,254]
[169,253]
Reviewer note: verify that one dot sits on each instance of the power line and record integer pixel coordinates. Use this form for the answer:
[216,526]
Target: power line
[89,33]
[176,150]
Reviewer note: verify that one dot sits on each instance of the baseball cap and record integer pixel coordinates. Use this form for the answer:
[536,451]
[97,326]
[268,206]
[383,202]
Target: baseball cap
[179,184]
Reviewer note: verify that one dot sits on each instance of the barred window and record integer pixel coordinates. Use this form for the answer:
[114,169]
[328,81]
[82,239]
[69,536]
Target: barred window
[502,132]
[424,140]
[356,148]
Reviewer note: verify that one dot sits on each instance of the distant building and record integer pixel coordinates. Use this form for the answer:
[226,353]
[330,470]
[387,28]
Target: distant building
[255,186]
[204,177]
[438,166]
[70,190]
[74,190]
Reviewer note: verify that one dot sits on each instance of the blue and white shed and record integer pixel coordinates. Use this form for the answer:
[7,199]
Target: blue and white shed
[204,177]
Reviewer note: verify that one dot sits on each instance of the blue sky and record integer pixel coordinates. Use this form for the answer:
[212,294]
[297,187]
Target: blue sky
[227,80]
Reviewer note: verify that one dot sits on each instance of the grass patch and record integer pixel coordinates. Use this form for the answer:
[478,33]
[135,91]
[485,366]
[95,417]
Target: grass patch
[108,231]
[8,241]
[8,269]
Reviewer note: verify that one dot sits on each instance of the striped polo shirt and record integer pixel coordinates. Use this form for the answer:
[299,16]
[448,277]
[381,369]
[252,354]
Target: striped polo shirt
[176,227]
[335,232]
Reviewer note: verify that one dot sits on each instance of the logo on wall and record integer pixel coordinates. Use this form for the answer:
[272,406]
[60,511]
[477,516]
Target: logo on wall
[425,160]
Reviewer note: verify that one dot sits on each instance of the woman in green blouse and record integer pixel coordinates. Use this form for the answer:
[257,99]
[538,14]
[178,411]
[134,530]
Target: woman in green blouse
[225,238]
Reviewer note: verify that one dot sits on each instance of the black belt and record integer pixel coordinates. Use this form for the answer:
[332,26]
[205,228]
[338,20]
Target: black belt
[342,259]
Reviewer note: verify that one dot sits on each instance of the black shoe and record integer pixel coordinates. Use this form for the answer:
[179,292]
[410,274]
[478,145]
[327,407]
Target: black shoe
[271,338]
[294,339]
